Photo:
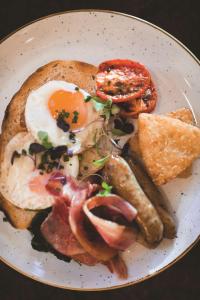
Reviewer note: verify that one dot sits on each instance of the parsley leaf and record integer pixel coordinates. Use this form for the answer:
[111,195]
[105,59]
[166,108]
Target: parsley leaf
[88,98]
[75,117]
[101,162]
[106,189]
[44,139]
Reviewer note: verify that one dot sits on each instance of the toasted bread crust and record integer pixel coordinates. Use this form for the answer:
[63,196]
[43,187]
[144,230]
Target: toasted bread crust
[79,73]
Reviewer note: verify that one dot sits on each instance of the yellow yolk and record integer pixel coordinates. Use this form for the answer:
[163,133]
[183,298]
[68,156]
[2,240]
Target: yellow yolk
[69,102]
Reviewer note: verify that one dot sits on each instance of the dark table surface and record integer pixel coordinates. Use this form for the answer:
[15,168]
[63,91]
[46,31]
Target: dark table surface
[181,19]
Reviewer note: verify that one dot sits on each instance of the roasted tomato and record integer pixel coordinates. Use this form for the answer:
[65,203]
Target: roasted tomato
[121,80]
[146,103]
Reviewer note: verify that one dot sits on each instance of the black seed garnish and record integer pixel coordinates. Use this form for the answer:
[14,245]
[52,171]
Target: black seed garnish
[75,117]
[41,166]
[65,158]
[53,164]
[118,124]
[35,148]
[72,136]
[128,128]
[15,155]
[44,157]
[76,88]
[64,114]
[122,125]
[62,124]
[57,152]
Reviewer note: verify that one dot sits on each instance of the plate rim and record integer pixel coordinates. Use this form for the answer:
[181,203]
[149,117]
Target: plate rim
[35,278]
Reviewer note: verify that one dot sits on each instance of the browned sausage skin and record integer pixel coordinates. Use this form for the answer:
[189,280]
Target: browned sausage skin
[154,195]
[121,177]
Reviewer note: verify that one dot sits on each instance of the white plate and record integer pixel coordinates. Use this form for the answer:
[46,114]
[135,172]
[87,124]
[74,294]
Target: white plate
[94,36]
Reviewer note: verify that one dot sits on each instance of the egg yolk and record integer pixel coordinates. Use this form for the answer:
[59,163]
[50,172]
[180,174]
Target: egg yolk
[70,103]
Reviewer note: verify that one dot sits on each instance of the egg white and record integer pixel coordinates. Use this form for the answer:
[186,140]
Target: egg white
[14,180]
[38,118]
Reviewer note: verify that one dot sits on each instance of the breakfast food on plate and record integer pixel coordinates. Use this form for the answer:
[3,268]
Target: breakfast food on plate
[154,195]
[120,176]
[168,146]
[128,83]
[81,74]
[79,170]
[55,110]
[183,114]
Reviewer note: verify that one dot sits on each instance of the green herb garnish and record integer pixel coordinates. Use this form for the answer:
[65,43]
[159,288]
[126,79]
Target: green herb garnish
[64,114]
[88,98]
[104,106]
[44,139]
[75,117]
[118,132]
[101,162]
[106,189]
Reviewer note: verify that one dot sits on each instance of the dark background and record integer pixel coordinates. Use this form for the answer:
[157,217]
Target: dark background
[181,18]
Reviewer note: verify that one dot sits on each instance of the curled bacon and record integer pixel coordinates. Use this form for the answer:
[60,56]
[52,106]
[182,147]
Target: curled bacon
[98,248]
[57,231]
[73,229]
[116,236]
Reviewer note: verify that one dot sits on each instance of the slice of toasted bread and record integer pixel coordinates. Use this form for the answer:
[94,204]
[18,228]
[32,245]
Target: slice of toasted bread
[79,73]
[168,146]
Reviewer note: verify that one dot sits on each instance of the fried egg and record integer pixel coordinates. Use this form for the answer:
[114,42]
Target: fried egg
[21,183]
[47,103]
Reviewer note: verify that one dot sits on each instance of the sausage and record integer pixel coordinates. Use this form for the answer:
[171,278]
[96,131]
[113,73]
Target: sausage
[121,177]
[154,195]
